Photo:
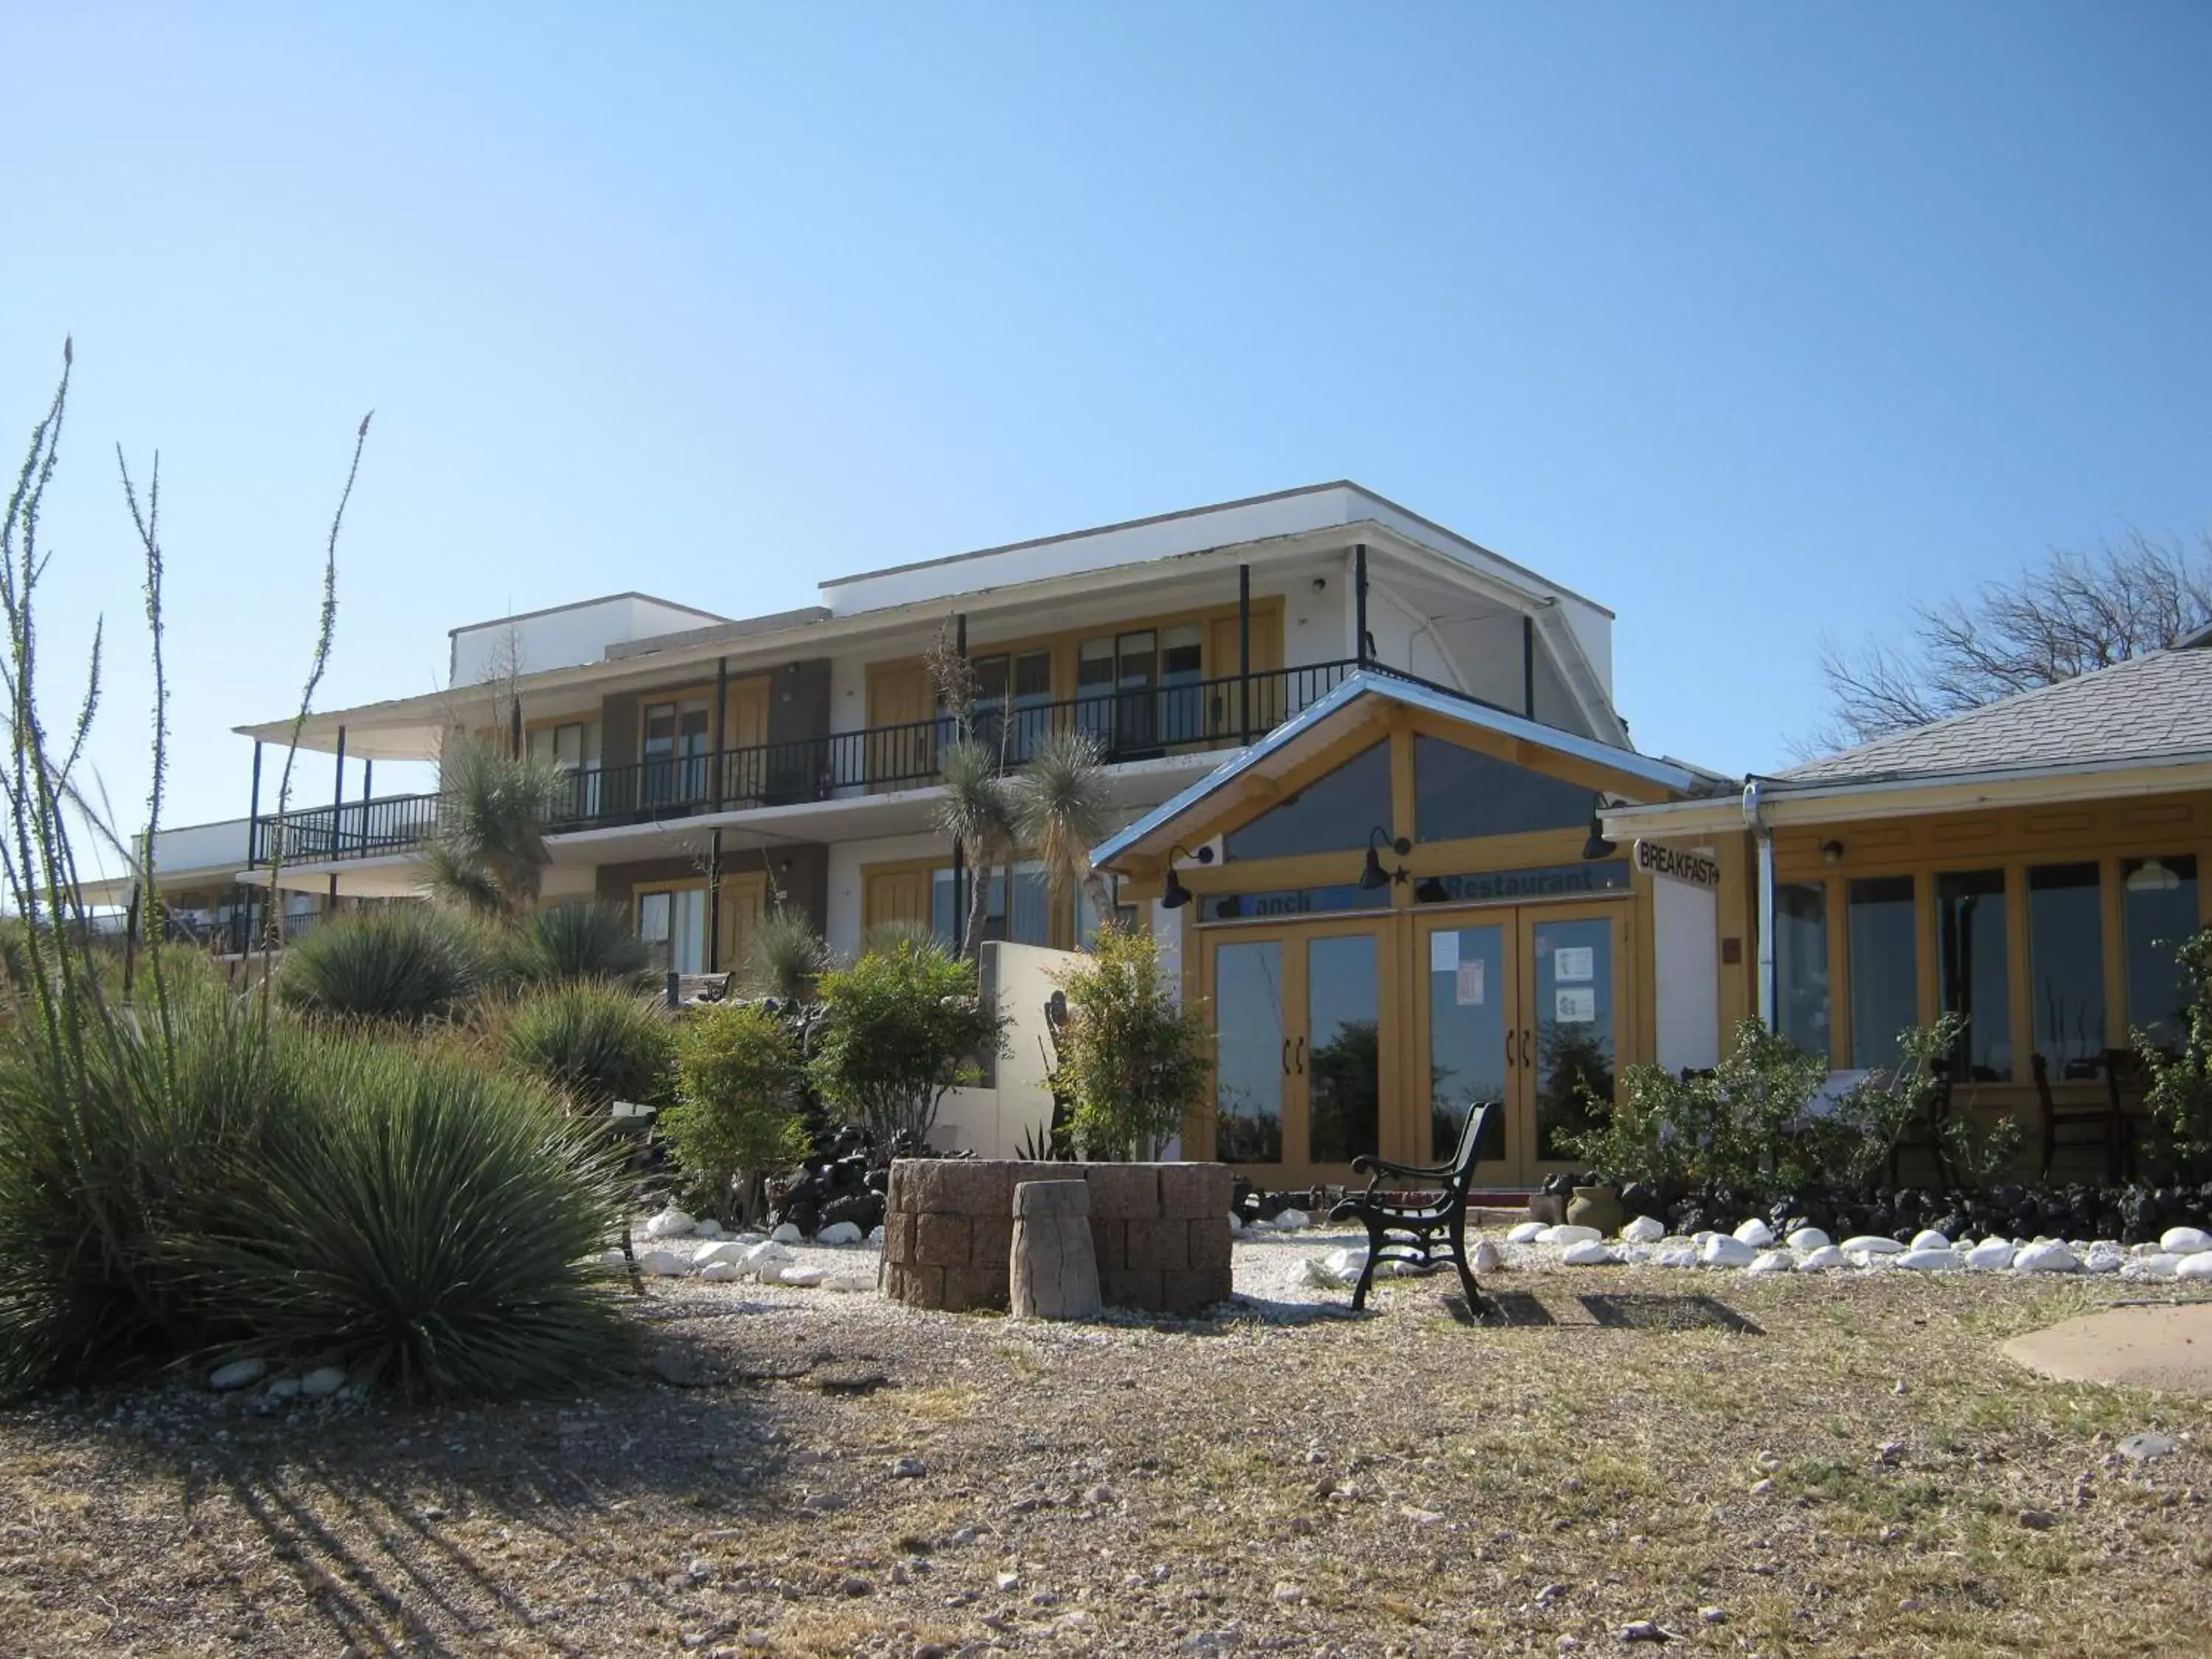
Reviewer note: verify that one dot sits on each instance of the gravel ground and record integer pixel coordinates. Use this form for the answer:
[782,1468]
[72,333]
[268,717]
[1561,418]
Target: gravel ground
[1777,1466]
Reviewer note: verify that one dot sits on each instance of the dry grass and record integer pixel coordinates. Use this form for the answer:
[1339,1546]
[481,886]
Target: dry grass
[1404,1484]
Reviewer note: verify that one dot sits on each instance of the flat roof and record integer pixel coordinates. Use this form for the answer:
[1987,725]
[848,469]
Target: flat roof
[586,604]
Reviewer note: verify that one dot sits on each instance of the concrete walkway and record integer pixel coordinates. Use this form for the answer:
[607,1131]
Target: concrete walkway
[2168,1347]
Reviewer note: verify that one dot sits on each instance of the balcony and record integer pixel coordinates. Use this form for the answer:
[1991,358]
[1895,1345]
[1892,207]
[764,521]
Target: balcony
[1145,723]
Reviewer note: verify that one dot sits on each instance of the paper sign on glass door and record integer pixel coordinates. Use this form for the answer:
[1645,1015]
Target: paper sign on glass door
[1470,988]
[1574,963]
[1443,952]
[1576,1005]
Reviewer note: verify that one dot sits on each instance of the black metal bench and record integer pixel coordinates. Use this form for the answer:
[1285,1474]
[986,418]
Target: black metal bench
[1405,1228]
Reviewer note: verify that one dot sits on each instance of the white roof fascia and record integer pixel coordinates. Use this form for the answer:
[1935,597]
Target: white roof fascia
[1666,775]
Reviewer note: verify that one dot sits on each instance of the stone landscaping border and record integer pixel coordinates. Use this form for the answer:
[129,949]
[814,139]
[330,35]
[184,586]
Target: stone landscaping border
[1161,1231]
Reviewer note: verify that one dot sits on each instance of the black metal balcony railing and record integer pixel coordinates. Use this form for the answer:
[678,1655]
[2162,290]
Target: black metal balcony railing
[1139,723]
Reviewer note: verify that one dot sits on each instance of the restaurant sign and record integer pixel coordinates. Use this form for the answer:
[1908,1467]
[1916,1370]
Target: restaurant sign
[1695,866]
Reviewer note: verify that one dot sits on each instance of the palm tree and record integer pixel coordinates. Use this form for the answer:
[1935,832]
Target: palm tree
[490,854]
[1062,809]
[977,811]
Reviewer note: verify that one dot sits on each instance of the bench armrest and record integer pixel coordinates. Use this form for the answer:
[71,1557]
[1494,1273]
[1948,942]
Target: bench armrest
[1379,1167]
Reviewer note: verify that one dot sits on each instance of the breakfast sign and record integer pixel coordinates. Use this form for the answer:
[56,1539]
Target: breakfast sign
[1693,867]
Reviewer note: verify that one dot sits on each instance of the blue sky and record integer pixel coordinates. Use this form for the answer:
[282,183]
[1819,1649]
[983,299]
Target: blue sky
[1750,321]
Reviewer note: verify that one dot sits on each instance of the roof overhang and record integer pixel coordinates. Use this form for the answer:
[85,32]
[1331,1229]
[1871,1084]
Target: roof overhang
[1315,728]
[1781,803]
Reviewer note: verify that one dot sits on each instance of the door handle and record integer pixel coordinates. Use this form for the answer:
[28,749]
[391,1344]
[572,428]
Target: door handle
[1509,1061]
[1302,1056]
[1527,1059]
[1286,1056]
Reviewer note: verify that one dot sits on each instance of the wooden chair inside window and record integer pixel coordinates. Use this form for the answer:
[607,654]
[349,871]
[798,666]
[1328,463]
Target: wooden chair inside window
[2127,1082]
[2077,1122]
[1926,1132]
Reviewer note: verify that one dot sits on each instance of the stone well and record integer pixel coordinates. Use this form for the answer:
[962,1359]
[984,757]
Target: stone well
[1161,1231]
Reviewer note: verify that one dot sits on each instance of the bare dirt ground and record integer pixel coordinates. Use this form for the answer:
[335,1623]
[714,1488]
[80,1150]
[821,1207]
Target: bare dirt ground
[1777,1466]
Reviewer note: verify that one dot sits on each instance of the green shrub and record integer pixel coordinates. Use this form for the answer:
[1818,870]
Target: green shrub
[737,1079]
[903,1025]
[403,962]
[208,1185]
[1132,1061]
[785,956]
[592,1043]
[579,940]
[2179,1077]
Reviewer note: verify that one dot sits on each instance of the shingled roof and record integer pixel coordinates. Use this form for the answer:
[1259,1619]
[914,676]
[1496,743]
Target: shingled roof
[2147,708]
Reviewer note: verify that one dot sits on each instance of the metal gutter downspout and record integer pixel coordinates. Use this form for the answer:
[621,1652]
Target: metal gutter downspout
[1762,838]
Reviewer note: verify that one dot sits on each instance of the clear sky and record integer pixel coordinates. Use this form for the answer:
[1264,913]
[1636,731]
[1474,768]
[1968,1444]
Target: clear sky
[1748,320]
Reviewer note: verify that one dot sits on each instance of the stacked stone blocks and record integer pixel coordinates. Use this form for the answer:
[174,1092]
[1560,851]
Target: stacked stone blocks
[1160,1231]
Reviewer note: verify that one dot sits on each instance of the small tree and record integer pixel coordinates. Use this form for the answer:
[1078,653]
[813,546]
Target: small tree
[1132,1061]
[490,854]
[737,1120]
[903,1025]
[2179,1095]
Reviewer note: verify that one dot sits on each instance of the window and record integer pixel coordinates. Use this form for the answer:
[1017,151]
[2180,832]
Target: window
[573,749]
[1029,924]
[1117,682]
[674,921]
[2157,911]
[1971,960]
[1087,919]
[1016,688]
[1801,965]
[2066,967]
[1335,813]
[1182,699]
[676,739]
[1459,793]
[1885,969]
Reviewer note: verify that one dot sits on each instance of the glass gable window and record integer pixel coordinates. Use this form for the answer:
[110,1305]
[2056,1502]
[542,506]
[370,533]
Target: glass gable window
[1971,956]
[1801,965]
[1334,813]
[2157,911]
[1885,969]
[1459,793]
[2066,967]
[676,923]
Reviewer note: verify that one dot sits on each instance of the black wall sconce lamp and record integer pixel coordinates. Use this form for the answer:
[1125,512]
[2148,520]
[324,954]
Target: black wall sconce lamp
[1174,895]
[1597,847]
[1374,875]
[1831,852]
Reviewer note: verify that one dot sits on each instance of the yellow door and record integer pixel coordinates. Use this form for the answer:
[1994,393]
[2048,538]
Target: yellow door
[745,900]
[1575,1019]
[1465,1054]
[904,755]
[896,895]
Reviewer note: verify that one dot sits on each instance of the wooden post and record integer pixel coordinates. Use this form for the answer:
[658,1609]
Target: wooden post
[253,812]
[1528,665]
[1359,602]
[722,703]
[1053,1273]
[1244,652]
[714,901]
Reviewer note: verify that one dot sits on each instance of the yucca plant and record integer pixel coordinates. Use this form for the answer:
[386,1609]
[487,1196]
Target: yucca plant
[593,1043]
[490,854]
[576,940]
[977,810]
[786,956]
[424,1225]
[403,962]
[1062,809]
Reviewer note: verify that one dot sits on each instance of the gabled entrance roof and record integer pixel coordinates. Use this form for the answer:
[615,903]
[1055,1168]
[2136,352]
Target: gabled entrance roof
[1321,723]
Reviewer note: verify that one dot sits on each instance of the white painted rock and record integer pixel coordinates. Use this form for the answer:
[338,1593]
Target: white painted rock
[1810,1238]
[721,1271]
[2047,1257]
[1872,1244]
[611,1261]
[1773,1261]
[765,1260]
[662,1264]
[1588,1253]
[670,1223]
[1236,1226]
[875,1234]
[1645,1229]
[1675,1255]
[1755,1233]
[2104,1257]
[1931,1259]
[2195,1266]
[840,1232]
[722,1249]
[1819,1260]
[237,1375]
[804,1279]
[709,1228]
[1524,1232]
[2160,1266]
[284,1387]
[1929,1239]
[1722,1251]
[2184,1241]
[1568,1232]
[848,1284]
[322,1382]
[1290,1219]
[1486,1259]
[788,1233]
[1990,1256]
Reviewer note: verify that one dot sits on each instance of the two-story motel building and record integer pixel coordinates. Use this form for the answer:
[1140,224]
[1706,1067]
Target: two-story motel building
[1382,811]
